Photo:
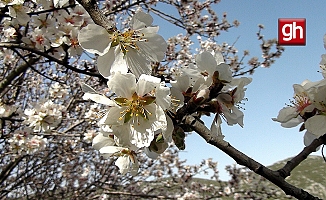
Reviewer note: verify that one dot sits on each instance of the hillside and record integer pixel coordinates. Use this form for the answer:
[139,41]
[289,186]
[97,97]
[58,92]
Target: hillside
[309,175]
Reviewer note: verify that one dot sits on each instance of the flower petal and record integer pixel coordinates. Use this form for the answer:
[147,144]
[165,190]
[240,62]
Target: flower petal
[218,57]
[225,73]
[110,149]
[141,20]
[163,98]
[99,99]
[123,163]
[137,63]
[154,48]
[146,84]
[292,122]
[206,62]
[94,39]
[112,117]
[110,62]
[101,141]
[123,85]
[87,89]
[285,114]
[316,125]
[216,127]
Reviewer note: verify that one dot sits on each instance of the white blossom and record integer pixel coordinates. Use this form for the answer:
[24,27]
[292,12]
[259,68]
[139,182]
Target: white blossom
[58,91]
[126,161]
[44,116]
[135,113]
[134,48]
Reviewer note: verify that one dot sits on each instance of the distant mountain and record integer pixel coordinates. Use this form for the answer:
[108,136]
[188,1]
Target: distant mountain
[310,175]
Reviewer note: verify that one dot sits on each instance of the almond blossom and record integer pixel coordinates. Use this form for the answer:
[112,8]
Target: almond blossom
[126,161]
[58,91]
[23,142]
[227,104]
[137,111]
[107,146]
[17,10]
[44,116]
[231,96]
[292,115]
[308,107]
[38,39]
[208,63]
[137,46]
[7,110]
[43,21]
[35,143]
[316,124]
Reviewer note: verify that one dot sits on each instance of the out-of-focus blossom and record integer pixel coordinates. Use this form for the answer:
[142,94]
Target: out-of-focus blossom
[89,136]
[44,116]
[35,143]
[23,142]
[6,110]
[58,91]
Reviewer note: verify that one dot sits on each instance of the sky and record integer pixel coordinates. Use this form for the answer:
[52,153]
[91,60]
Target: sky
[271,89]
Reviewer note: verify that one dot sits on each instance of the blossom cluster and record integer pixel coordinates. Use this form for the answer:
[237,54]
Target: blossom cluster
[139,107]
[44,116]
[152,86]
[134,117]
[24,142]
[140,110]
[54,32]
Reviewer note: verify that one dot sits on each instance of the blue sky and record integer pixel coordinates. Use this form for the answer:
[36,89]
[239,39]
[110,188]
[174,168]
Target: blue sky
[261,138]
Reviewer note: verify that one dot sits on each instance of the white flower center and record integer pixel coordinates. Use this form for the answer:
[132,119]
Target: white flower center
[135,108]
[127,39]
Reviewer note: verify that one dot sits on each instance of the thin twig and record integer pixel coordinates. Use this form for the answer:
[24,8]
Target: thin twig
[295,161]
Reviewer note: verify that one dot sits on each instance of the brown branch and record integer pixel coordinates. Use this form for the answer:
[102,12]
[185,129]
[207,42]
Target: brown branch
[16,72]
[119,8]
[35,70]
[243,159]
[295,161]
[44,54]
[73,126]
[6,171]
[96,14]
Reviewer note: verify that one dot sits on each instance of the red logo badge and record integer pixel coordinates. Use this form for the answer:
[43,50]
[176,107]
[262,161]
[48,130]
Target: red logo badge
[292,31]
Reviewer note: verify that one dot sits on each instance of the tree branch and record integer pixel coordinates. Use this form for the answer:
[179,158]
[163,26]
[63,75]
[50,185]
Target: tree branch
[242,159]
[6,171]
[96,14]
[295,161]
[16,72]
[13,46]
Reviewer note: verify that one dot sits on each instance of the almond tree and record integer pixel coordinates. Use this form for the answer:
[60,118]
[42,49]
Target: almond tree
[96,104]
